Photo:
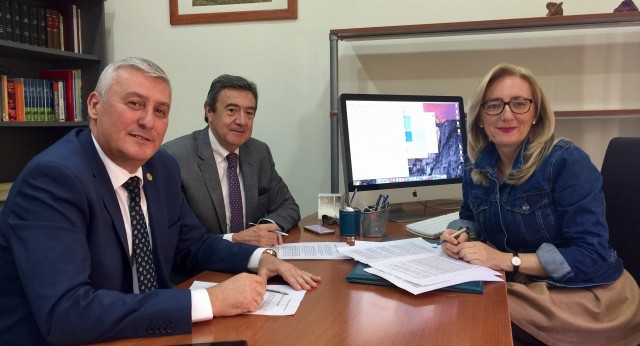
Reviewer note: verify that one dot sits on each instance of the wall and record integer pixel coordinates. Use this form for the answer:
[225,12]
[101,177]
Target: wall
[289,60]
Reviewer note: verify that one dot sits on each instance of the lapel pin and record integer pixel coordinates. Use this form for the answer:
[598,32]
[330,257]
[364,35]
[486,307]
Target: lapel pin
[149,177]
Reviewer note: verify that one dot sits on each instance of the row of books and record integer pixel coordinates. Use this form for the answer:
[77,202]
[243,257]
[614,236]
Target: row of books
[40,26]
[55,96]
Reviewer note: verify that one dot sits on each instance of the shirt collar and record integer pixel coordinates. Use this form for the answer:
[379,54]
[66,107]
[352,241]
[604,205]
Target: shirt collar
[219,153]
[117,174]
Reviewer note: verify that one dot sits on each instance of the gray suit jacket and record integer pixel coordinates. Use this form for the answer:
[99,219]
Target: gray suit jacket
[266,193]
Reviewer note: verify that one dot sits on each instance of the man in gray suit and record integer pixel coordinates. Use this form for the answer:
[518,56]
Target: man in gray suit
[202,155]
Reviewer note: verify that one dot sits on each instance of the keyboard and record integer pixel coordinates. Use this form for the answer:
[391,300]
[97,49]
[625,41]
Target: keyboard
[433,227]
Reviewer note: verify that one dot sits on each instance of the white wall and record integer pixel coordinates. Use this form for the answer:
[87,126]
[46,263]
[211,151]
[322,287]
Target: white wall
[289,60]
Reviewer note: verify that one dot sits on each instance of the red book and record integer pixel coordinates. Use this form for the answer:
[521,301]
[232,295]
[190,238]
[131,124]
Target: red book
[67,77]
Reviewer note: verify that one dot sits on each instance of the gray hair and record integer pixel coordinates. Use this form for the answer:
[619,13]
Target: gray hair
[228,81]
[145,66]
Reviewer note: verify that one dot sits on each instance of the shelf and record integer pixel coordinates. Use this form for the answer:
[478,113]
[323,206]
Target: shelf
[598,113]
[491,26]
[44,124]
[501,26]
[26,51]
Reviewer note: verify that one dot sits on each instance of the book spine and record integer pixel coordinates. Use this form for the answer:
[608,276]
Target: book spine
[26,24]
[77,90]
[50,24]
[33,17]
[62,108]
[1,21]
[56,29]
[5,100]
[11,100]
[7,19]
[42,27]
[17,24]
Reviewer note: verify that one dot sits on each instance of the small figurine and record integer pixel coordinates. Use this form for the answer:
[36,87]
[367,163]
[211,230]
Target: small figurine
[626,6]
[555,9]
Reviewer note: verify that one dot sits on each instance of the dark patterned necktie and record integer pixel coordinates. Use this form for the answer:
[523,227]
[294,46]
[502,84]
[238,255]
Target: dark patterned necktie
[140,237]
[236,223]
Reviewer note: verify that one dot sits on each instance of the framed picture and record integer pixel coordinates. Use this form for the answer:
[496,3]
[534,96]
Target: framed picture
[224,11]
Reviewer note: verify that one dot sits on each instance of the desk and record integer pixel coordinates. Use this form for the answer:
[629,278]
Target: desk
[342,313]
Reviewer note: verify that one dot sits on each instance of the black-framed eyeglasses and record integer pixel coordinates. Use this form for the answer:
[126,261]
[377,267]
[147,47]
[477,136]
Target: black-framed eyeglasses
[517,106]
[330,220]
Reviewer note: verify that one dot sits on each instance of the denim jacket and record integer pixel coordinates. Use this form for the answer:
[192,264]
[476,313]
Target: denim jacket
[558,213]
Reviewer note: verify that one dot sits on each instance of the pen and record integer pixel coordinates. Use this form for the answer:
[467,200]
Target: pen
[377,206]
[454,235]
[352,197]
[276,231]
[275,291]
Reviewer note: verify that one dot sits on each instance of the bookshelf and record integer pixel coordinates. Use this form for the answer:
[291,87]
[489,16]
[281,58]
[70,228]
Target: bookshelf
[611,21]
[20,141]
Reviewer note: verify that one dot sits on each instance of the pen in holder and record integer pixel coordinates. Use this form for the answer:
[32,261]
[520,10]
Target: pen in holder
[374,222]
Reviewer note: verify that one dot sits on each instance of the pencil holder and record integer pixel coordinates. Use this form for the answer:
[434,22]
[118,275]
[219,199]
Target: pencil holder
[374,222]
[349,223]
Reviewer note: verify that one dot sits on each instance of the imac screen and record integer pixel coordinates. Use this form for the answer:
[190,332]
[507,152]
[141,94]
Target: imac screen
[401,141]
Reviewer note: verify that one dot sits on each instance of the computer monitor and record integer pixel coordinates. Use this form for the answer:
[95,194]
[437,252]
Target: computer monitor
[410,147]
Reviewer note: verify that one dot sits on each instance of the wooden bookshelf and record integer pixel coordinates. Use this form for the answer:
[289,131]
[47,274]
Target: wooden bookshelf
[20,141]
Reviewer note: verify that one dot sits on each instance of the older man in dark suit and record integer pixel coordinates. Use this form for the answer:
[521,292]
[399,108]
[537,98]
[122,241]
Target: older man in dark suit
[94,224]
[208,182]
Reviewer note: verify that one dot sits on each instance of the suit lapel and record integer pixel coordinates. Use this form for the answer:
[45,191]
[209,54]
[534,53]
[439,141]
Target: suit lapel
[209,171]
[104,187]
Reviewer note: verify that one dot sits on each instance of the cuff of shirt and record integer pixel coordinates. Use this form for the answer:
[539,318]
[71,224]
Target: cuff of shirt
[228,236]
[254,260]
[200,305]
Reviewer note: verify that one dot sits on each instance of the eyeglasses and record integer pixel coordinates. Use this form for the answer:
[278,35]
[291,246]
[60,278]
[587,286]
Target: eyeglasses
[517,106]
[326,219]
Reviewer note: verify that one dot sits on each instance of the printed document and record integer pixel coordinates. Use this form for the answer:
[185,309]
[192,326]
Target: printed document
[417,265]
[282,300]
[314,250]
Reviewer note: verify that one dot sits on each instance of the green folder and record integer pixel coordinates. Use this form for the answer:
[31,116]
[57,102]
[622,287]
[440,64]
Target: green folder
[359,276]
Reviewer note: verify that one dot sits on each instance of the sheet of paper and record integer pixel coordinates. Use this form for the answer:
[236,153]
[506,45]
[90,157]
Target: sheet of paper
[379,251]
[274,304]
[314,250]
[417,265]
[417,289]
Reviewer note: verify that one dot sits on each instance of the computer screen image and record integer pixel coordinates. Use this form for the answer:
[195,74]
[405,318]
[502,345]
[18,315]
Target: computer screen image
[410,147]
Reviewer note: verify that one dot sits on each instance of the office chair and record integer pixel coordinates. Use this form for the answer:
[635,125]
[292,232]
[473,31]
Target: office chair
[621,187]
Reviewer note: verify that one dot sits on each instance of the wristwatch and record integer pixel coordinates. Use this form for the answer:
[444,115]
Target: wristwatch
[271,252]
[516,261]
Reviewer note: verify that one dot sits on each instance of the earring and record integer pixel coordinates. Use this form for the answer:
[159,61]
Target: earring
[480,125]
[534,122]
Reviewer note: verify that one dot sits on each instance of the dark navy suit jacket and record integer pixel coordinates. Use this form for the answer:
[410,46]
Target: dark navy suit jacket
[65,273]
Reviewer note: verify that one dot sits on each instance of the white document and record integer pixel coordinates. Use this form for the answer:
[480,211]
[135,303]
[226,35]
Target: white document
[314,250]
[274,303]
[417,265]
[417,289]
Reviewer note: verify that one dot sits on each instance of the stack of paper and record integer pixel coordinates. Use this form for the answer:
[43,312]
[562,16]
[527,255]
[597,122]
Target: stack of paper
[417,265]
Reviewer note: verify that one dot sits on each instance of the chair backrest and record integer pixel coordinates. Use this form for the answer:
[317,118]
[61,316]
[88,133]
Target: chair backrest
[621,187]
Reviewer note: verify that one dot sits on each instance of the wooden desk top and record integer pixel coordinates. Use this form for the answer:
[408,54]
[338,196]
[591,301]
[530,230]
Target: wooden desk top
[342,313]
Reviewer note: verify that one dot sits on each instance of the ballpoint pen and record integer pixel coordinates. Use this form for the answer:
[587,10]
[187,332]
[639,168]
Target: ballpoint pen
[276,291]
[277,231]
[454,235]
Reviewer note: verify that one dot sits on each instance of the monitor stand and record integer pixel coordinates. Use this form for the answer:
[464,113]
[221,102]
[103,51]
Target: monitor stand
[398,214]
[417,211]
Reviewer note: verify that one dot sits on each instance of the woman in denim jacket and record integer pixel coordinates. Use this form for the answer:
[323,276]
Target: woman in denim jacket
[535,206]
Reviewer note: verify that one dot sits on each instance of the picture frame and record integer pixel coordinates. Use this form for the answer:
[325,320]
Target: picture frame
[183,12]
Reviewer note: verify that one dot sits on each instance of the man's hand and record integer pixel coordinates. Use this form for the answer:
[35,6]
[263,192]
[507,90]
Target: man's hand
[297,278]
[241,293]
[262,235]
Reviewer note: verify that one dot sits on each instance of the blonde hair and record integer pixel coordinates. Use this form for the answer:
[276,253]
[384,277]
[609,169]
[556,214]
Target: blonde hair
[541,135]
